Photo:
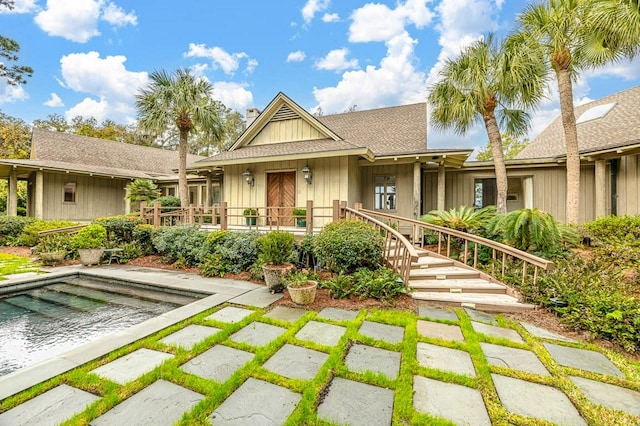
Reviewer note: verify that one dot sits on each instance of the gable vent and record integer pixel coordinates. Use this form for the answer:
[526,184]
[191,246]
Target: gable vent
[284,113]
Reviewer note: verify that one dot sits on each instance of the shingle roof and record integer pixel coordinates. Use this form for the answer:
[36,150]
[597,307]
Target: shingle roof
[619,127]
[87,152]
[81,168]
[385,131]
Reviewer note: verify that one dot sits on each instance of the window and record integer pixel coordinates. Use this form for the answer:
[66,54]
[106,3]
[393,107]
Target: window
[70,192]
[385,193]
[168,191]
[486,192]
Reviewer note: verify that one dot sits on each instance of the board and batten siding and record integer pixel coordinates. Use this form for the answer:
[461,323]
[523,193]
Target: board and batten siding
[286,131]
[549,189]
[629,185]
[95,197]
[330,181]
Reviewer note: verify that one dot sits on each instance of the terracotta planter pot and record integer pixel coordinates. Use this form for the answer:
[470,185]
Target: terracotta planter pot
[90,256]
[303,295]
[273,275]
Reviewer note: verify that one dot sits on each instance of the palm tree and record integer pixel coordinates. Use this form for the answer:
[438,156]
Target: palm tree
[619,20]
[183,100]
[492,83]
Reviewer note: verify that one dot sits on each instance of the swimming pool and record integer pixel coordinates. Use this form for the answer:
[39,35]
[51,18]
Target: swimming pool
[46,319]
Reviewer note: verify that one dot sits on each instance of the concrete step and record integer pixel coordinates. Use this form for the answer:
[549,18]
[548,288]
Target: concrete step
[443,273]
[473,285]
[482,302]
[430,262]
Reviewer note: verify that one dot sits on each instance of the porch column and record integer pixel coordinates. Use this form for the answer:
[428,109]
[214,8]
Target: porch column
[417,180]
[12,195]
[441,187]
[127,201]
[528,192]
[601,188]
[38,199]
[209,192]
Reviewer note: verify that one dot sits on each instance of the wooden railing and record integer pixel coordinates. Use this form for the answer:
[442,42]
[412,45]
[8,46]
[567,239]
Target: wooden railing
[416,231]
[399,253]
[68,229]
[222,216]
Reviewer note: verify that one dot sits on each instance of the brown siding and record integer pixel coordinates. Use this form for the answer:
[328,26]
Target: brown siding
[95,197]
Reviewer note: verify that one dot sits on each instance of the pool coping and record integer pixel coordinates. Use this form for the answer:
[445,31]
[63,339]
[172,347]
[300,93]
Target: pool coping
[26,377]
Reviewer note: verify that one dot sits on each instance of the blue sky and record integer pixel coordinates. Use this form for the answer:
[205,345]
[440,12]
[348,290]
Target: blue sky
[91,56]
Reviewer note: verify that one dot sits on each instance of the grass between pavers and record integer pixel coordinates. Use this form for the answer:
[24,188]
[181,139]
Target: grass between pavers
[12,264]
[312,390]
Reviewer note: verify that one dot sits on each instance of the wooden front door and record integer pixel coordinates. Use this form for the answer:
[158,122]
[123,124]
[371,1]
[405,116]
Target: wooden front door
[281,198]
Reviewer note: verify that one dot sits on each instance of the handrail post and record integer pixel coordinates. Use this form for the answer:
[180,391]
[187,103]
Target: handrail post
[214,220]
[336,210]
[156,214]
[191,214]
[143,207]
[343,211]
[223,215]
[309,218]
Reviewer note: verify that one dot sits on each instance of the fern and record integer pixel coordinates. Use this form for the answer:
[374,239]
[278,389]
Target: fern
[463,218]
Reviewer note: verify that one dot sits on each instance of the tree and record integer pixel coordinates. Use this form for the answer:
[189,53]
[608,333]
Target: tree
[142,190]
[490,83]
[511,146]
[13,74]
[53,123]
[575,35]
[185,101]
[15,137]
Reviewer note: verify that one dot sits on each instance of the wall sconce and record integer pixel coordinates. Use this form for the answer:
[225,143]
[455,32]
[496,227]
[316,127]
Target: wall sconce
[248,177]
[306,173]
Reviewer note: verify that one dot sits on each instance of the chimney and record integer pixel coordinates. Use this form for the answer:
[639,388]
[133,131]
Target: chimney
[252,114]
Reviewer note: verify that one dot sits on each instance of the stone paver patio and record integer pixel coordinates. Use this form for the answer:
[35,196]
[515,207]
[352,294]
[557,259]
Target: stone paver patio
[272,373]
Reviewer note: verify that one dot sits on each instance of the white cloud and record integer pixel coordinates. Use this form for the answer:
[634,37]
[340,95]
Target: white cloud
[394,82]
[20,6]
[330,17]
[377,22]
[75,20]
[89,108]
[233,95]
[10,94]
[312,7]
[104,78]
[228,62]
[54,101]
[116,16]
[297,56]
[628,70]
[336,60]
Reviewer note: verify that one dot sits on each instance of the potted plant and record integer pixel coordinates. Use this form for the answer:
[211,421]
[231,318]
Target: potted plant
[274,253]
[53,248]
[90,242]
[301,217]
[250,216]
[301,286]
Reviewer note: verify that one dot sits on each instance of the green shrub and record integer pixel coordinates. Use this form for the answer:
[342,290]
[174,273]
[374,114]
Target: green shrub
[612,229]
[142,236]
[347,245]
[466,219]
[29,236]
[119,228]
[54,242]
[275,247]
[238,249]
[298,212]
[11,227]
[213,265]
[340,287]
[534,231]
[181,242]
[215,238]
[142,190]
[91,236]
[129,251]
[382,283]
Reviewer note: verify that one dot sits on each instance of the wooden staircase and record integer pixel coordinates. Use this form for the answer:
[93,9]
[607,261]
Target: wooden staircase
[436,278]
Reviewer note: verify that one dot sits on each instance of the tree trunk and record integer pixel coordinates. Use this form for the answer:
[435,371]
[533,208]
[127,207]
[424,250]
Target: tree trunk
[565,89]
[183,188]
[495,140]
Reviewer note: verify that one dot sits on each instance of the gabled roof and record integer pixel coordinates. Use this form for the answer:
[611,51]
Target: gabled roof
[611,129]
[86,152]
[372,134]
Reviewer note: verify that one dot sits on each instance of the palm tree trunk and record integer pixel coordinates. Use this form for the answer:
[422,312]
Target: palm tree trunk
[495,140]
[565,89]
[183,188]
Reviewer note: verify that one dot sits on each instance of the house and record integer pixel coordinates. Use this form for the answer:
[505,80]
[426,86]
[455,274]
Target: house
[287,156]
[609,144]
[81,178]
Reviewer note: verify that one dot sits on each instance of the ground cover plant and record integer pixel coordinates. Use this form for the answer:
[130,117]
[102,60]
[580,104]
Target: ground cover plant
[12,264]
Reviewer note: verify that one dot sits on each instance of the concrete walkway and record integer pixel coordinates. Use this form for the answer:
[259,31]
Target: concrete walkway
[241,344]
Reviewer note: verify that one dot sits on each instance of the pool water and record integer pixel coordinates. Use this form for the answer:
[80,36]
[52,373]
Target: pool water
[43,322]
